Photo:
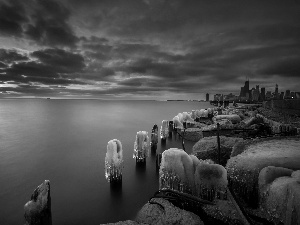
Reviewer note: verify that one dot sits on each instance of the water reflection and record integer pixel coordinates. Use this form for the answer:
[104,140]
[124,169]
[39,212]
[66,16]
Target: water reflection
[116,190]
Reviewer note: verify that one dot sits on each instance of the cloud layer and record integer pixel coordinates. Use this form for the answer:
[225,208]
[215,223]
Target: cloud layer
[138,49]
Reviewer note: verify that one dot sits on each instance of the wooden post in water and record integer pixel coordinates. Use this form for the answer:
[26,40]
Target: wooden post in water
[218,139]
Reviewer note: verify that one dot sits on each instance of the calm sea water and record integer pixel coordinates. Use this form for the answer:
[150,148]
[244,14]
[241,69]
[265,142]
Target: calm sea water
[65,141]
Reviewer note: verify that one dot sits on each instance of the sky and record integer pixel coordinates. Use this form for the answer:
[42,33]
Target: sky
[147,49]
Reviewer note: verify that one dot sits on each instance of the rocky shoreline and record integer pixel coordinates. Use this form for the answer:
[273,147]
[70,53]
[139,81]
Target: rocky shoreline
[256,176]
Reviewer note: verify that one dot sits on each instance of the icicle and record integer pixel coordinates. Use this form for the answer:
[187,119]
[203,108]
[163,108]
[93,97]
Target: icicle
[164,130]
[114,161]
[141,146]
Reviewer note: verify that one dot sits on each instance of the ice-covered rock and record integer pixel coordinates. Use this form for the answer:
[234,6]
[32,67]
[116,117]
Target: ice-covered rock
[268,174]
[205,113]
[193,134]
[282,201]
[233,118]
[38,209]
[177,123]
[162,212]
[296,175]
[114,161]
[211,181]
[194,116]
[187,117]
[207,148]
[243,169]
[164,129]
[154,137]
[141,146]
[176,171]
[180,117]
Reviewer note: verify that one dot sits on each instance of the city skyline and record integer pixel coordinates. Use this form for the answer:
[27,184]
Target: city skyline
[143,49]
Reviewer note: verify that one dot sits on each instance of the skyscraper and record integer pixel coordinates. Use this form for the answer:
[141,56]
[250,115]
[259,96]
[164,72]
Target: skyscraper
[276,91]
[263,93]
[207,97]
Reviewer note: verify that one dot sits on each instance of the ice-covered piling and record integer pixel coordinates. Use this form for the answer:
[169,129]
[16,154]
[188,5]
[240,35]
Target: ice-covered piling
[141,146]
[176,171]
[38,209]
[154,137]
[114,161]
[187,174]
[164,130]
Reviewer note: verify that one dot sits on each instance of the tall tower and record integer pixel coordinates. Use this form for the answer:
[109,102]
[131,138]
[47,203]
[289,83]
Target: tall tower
[263,93]
[276,91]
[207,97]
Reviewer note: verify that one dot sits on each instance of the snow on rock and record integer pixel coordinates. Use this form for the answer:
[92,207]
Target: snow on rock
[243,169]
[207,148]
[268,174]
[114,160]
[282,201]
[38,209]
[177,123]
[233,118]
[187,117]
[193,134]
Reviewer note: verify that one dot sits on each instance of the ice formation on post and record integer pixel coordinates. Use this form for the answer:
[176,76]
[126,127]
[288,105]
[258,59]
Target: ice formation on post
[164,130]
[176,171]
[187,117]
[38,209]
[141,146]
[211,181]
[114,161]
[187,174]
[194,116]
[177,123]
[154,137]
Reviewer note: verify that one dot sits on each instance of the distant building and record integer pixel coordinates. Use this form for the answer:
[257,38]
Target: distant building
[207,97]
[281,96]
[268,95]
[242,93]
[297,95]
[292,94]
[276,96]
[287,94]
[218,97]
[230,97]
[263,93]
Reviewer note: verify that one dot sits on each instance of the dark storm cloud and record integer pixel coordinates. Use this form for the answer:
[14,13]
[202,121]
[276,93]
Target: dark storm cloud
[54,66]
[49,25]
[289,67]
[45,22]
[142,46]
[60,60]
[12,16]
[11,55]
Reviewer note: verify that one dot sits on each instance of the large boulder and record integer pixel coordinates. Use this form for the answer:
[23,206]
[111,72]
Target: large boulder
[233,118]
[210,181]
[282,201]
[161,211]
[243,169]
[268,174]
[207,148]
[193,134]
[38,209]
